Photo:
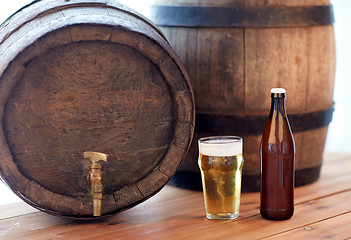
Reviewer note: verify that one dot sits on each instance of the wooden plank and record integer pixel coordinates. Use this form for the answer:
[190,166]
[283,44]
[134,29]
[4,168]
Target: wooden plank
[177,213]
[248,228]
[27,223]
[338,227]
[335,165]
[322,188]
[140,217]
[191,224]
[156,208]
[331,156]
[15,209]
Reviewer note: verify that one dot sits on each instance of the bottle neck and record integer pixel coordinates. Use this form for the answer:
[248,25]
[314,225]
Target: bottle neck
[278,103]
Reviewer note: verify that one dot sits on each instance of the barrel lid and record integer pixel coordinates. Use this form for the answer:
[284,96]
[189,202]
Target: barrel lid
[90,82]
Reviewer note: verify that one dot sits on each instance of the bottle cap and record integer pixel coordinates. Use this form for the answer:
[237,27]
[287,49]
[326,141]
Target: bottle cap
[278,90]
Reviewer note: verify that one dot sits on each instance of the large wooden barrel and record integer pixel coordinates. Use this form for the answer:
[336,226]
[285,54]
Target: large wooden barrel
[235,51]
[83,81]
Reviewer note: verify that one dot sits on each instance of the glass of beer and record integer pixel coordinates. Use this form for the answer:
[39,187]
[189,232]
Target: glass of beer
[221,162]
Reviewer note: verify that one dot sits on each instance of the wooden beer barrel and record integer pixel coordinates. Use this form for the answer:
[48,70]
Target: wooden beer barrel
[84,81]
[235,52]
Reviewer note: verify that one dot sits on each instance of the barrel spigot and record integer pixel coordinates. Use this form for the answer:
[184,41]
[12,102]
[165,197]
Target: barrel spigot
[95,179]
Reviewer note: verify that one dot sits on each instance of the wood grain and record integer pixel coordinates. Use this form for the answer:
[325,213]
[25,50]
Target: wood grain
[336,227]
[322,209]
[82,76]
[233,69]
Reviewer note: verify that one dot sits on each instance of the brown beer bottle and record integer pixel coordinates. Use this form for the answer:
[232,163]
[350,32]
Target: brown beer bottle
[277,162]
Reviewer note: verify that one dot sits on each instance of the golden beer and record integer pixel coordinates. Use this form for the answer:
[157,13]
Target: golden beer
[221,162]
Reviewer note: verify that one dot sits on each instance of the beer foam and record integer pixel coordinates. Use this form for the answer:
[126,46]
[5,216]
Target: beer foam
[221,147]
[278,90]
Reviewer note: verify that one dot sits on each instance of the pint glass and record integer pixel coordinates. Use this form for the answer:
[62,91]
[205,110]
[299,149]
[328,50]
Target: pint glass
[221,161]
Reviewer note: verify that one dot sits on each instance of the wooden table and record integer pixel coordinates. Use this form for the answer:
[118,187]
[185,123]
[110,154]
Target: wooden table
[322,211]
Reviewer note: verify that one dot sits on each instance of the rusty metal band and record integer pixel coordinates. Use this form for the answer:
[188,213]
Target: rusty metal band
[254,125]
[242,17]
